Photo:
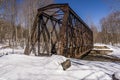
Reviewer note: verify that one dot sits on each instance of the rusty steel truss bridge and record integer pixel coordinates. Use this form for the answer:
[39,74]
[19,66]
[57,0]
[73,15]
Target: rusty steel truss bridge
[57,29]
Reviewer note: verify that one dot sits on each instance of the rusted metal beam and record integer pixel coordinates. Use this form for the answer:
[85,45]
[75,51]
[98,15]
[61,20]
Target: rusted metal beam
[51,6]
[51,17]
[67,35]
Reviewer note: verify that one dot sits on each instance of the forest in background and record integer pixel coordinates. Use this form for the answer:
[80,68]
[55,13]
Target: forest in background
[16,19]
[109,32]
[110,29]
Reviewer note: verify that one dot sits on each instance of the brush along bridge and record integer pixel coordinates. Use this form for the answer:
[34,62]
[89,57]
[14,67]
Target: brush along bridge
[57,29]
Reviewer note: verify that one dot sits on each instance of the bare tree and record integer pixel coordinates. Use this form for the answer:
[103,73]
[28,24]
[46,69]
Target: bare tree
[111,28]
[18,15]
[31,9]
[95,33]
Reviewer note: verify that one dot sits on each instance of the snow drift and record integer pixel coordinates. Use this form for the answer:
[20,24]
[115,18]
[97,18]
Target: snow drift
[22,67]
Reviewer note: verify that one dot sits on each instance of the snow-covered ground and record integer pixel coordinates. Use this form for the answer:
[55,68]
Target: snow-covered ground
[115,49]
[22,67]
[8,50]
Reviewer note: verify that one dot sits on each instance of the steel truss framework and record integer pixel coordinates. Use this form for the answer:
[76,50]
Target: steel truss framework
[57,29]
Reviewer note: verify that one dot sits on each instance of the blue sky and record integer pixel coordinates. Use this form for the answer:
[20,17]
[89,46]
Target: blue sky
[89,10]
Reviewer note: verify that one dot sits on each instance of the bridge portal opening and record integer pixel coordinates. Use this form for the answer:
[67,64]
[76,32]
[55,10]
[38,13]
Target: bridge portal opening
[57,29]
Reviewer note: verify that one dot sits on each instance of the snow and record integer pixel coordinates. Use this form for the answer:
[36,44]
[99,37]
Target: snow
[117,75]
[22,67]
[115,49]
[8,50]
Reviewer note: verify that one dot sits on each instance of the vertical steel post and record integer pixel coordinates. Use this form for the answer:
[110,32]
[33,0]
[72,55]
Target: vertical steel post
[64,31]
[39,25]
